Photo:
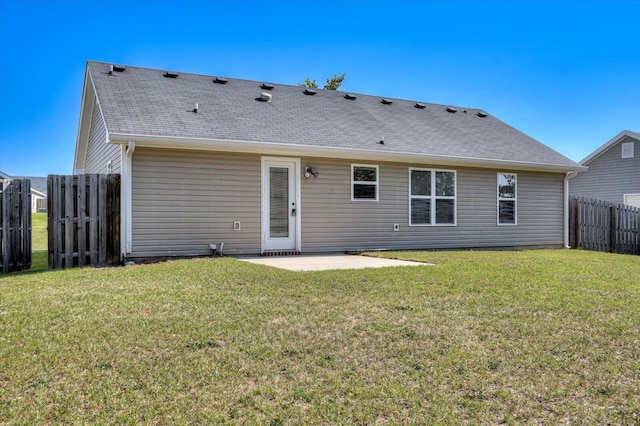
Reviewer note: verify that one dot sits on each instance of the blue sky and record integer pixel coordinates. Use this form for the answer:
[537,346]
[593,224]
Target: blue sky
[565,72]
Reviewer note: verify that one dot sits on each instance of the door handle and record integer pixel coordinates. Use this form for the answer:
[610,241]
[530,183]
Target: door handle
[293,212]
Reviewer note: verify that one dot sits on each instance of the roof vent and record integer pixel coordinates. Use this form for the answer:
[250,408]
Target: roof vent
[113,68]
[266,86]
[350,96]
[220,80]
[171,74]
[265,97]
[386,101]
[309,92]
[419,105]
[481,114]
[449,109]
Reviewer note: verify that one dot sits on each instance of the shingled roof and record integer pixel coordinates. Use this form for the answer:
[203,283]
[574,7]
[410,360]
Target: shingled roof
[151,105]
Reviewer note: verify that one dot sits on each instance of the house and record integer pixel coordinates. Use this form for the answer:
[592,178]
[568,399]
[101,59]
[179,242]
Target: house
[4,179]
[614,171]
[38,190]
[272,168]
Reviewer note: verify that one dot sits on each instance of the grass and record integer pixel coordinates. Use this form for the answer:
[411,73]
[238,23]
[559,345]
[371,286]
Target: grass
[545,337]
[39,242]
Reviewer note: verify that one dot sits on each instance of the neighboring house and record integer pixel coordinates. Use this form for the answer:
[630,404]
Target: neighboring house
[614,171]
[270,168]
[4,179]
[38,190]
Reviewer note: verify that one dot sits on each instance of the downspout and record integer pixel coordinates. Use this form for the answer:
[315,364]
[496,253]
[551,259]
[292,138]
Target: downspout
[127,197]
[566,207]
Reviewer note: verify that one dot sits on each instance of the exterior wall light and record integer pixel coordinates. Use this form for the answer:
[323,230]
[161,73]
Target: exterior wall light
[308,172]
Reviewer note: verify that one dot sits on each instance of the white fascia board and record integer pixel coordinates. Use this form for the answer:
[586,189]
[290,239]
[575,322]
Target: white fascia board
[84,124]
[38,193]
[286,149]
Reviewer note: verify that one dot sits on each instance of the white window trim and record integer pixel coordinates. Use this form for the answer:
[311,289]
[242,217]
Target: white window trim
[433,197]
[376,183]
[629,148]
[634,195]
[514,199]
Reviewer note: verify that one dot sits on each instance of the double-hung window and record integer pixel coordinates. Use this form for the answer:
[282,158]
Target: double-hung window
[364,183]
[507,199]
[432,197]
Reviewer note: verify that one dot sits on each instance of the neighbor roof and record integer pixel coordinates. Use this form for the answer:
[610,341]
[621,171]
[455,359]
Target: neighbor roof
[613,141]
[150,105]
[38,183]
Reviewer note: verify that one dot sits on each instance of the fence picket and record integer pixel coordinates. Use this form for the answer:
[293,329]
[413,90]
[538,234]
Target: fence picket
[81,203]
[602,226]
[81,207]
[15,226]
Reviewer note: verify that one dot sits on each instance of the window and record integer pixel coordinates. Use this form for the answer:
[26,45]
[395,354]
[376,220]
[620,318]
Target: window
[364,183]
[507,199]
[432,196]
[632,200]
[627,150]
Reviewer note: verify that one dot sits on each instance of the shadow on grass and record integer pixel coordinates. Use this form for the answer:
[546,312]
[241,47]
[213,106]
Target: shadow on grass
[39,263]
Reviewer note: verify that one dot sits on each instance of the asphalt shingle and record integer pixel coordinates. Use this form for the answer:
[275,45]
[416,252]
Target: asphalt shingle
[141,101]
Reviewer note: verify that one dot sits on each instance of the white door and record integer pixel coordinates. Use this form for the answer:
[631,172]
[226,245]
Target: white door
[280,204]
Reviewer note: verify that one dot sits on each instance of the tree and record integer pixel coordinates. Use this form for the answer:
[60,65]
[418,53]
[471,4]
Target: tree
[335,82]
[308,83]
[332,83]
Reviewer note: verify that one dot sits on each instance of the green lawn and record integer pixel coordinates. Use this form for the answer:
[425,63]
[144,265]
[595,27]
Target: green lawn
[542,337]
[39,242]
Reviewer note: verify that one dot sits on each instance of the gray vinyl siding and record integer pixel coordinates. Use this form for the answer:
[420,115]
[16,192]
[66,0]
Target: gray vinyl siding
[99,152]
[185,200]
[332,222]
[610,176]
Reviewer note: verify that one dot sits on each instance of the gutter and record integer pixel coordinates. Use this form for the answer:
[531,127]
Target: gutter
[126,235]
[569,175]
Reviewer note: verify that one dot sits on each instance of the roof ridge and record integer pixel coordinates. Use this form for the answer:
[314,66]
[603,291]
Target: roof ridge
[247,80]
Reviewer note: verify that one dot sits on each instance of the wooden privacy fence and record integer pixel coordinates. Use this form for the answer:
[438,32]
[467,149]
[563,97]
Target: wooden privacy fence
[15,226]
[84,220]
[602,226]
